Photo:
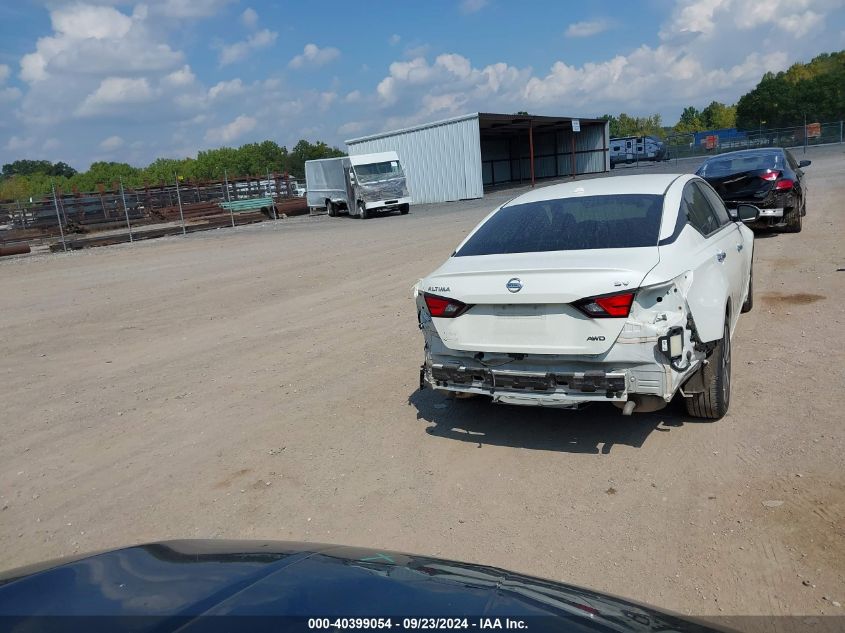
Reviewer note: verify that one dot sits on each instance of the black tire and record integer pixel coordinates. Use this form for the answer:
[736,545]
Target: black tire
[330,209]
[362,211]
[793,221]
[713,403]
[749,300]
[404,209]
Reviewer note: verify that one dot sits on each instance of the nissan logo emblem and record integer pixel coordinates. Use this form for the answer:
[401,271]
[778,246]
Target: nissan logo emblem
[514,285]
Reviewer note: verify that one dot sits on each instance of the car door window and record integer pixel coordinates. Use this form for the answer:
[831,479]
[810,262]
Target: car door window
[790,159]
[699,212]
[716,203]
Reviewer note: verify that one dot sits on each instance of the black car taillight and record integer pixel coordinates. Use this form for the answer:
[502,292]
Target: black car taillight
[615,306]
[784,184]
[444,308]
[770,175]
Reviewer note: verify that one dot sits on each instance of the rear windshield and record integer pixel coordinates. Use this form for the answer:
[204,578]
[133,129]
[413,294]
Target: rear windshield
[570,224]
[738,164]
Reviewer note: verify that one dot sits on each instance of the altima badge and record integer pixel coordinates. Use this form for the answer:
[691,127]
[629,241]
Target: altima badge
[514,285]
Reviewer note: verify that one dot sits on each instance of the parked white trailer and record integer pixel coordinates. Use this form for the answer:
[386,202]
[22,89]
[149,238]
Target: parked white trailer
[359,185]
[629,149]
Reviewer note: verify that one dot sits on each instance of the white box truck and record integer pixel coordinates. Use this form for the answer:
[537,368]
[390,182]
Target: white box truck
[360,185]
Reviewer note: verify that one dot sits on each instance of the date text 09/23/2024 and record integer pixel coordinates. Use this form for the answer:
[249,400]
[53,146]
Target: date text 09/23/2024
[418,623]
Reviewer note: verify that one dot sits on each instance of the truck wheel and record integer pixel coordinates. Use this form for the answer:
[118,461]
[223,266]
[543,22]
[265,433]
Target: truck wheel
[404,209]
[362,211]
[330,209]
[793,221]
[749,300]
[713,403]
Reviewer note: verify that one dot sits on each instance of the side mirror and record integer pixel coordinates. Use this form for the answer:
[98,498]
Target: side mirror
[804,163]
[747,213]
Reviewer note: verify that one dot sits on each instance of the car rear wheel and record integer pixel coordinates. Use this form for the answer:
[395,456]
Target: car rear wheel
[712,403]
[330,209]
[404,209]
[793,221]
[362,211]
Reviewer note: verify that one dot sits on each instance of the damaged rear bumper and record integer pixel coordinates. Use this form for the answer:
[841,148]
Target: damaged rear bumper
[539,388]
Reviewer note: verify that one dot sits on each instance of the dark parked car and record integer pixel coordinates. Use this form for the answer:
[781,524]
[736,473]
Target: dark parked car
[204,586]
[769,178]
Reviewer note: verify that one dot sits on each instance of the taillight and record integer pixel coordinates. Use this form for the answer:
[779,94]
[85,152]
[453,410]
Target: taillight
[770,174]
[784,184]
[444,308]
[609,306]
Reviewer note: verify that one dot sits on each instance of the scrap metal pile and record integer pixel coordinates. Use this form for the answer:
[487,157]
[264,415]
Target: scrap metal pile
[75,216]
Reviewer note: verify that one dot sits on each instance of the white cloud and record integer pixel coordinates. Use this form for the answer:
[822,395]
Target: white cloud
[18,143]
[115,91]
[7,94]
[90,40]
[111,143]
[394,39]
[352,127]
[187,8]
[241,50]
[587,28]
[326,100]
[353,97]
[51,144]
[313,55]
[472,6]
[182,77]
[231,131]
[800,25]
[249,18]
[226,89]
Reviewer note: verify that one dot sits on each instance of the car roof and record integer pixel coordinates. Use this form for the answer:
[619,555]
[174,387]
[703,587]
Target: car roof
[655,184]
[760,151]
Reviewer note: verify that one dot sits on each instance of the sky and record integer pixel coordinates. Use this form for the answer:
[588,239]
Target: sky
[130,81]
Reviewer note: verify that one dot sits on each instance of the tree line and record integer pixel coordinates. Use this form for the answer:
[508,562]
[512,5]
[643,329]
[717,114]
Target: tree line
[23,179]
[814,92]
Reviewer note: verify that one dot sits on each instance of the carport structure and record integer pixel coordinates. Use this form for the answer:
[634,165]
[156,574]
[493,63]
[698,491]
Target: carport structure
[526,148]
[460,158]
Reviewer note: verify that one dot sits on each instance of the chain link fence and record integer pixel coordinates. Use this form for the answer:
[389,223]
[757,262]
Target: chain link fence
[719,141]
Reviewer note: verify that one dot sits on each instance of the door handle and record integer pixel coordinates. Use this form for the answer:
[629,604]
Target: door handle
[739,248]
[720,256]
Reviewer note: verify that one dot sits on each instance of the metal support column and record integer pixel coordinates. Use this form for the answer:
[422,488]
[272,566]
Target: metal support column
[58,216]
[179,199]
[125,210]
[531,148]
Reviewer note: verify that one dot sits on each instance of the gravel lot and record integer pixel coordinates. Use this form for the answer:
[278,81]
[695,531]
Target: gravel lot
[261,382]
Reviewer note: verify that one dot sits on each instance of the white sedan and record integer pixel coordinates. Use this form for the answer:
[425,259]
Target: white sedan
[623,290]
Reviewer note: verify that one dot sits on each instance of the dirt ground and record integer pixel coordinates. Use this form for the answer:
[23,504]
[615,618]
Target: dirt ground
[261,383]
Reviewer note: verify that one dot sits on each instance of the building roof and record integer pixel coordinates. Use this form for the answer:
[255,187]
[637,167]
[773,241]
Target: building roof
[489,122]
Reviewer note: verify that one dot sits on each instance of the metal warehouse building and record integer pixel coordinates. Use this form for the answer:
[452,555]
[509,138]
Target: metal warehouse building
[459,158]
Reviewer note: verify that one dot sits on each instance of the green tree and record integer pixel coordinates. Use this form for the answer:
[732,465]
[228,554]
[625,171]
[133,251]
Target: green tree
[815,90]
[718,116]
[690,121]
[626,125]
[305,150]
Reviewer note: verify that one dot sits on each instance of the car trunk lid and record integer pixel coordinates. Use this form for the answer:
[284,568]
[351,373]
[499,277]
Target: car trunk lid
[749,185]
[522,302]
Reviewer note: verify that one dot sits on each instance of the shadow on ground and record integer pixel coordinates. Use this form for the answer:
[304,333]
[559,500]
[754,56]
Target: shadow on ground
[595,429]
